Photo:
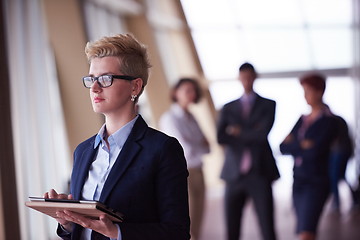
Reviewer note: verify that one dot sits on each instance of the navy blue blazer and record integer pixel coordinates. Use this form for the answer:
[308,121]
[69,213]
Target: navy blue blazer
[147,183]
[315,160]
[253,136]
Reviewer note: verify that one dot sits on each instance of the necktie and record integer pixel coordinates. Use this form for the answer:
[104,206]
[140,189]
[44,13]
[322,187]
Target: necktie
[245,163]
[246,107]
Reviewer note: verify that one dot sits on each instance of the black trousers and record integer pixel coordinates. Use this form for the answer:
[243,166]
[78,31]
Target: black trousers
[237,192]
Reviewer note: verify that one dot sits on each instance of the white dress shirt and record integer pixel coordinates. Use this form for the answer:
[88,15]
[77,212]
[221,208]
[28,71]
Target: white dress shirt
[183,126]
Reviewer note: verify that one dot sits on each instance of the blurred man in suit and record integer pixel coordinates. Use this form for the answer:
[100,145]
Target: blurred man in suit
[249,166]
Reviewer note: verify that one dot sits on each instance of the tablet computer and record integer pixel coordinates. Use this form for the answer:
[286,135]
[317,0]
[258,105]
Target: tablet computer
[92,209]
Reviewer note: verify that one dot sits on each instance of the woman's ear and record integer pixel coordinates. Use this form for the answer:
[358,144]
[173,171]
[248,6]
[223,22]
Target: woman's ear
[137,85]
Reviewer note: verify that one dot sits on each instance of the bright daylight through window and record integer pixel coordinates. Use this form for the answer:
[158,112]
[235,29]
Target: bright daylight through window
[283,38]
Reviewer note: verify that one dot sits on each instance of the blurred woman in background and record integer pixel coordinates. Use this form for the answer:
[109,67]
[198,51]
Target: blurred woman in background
[180,123]
[309,142]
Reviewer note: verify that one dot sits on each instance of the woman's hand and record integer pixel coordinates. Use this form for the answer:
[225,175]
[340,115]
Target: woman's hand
[233,130]
[306,144]
[52,194]
[103,225]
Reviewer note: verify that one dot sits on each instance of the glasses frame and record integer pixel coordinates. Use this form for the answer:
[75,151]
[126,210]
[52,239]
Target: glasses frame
[96,79]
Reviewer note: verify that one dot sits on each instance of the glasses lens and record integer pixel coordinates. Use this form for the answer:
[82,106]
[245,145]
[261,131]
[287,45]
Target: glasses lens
[87,81]
[105,81]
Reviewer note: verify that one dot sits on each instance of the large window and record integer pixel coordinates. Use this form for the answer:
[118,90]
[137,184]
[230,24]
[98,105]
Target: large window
[283,39]
[42,156]
[278,35]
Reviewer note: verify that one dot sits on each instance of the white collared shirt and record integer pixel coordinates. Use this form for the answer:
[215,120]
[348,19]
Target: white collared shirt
[248,99]
[183,126]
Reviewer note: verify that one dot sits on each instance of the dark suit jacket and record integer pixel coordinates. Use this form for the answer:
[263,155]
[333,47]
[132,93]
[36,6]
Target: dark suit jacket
[253,136]
[148,183]
[343,141]
[314,166]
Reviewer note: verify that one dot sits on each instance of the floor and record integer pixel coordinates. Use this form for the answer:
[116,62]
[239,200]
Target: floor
[344,225]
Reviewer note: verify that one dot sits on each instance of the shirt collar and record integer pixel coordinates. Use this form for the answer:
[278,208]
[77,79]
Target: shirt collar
[175,107]
[119,137]
[250,97]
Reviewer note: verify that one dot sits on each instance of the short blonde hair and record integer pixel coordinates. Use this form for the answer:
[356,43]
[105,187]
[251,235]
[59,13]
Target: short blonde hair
[133,54]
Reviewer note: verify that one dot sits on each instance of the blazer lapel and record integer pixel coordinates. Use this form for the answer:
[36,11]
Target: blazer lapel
[126,156]
[83,170]
[236,110]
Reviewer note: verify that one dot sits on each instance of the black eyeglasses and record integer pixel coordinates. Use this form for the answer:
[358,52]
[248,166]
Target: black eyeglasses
[104,81]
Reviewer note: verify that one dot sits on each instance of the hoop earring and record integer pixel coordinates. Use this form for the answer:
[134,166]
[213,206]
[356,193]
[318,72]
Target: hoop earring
[133,98]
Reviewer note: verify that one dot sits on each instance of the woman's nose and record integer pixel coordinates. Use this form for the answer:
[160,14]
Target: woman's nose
[95,87]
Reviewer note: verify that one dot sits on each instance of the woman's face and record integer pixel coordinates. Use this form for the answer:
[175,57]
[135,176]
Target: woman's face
[116,98]
[312,95]
[185,94]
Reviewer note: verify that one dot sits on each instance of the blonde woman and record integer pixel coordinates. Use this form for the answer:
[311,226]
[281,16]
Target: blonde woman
[127,165]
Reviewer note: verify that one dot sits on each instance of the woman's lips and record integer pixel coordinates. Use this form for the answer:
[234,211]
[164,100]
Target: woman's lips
[98,99]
